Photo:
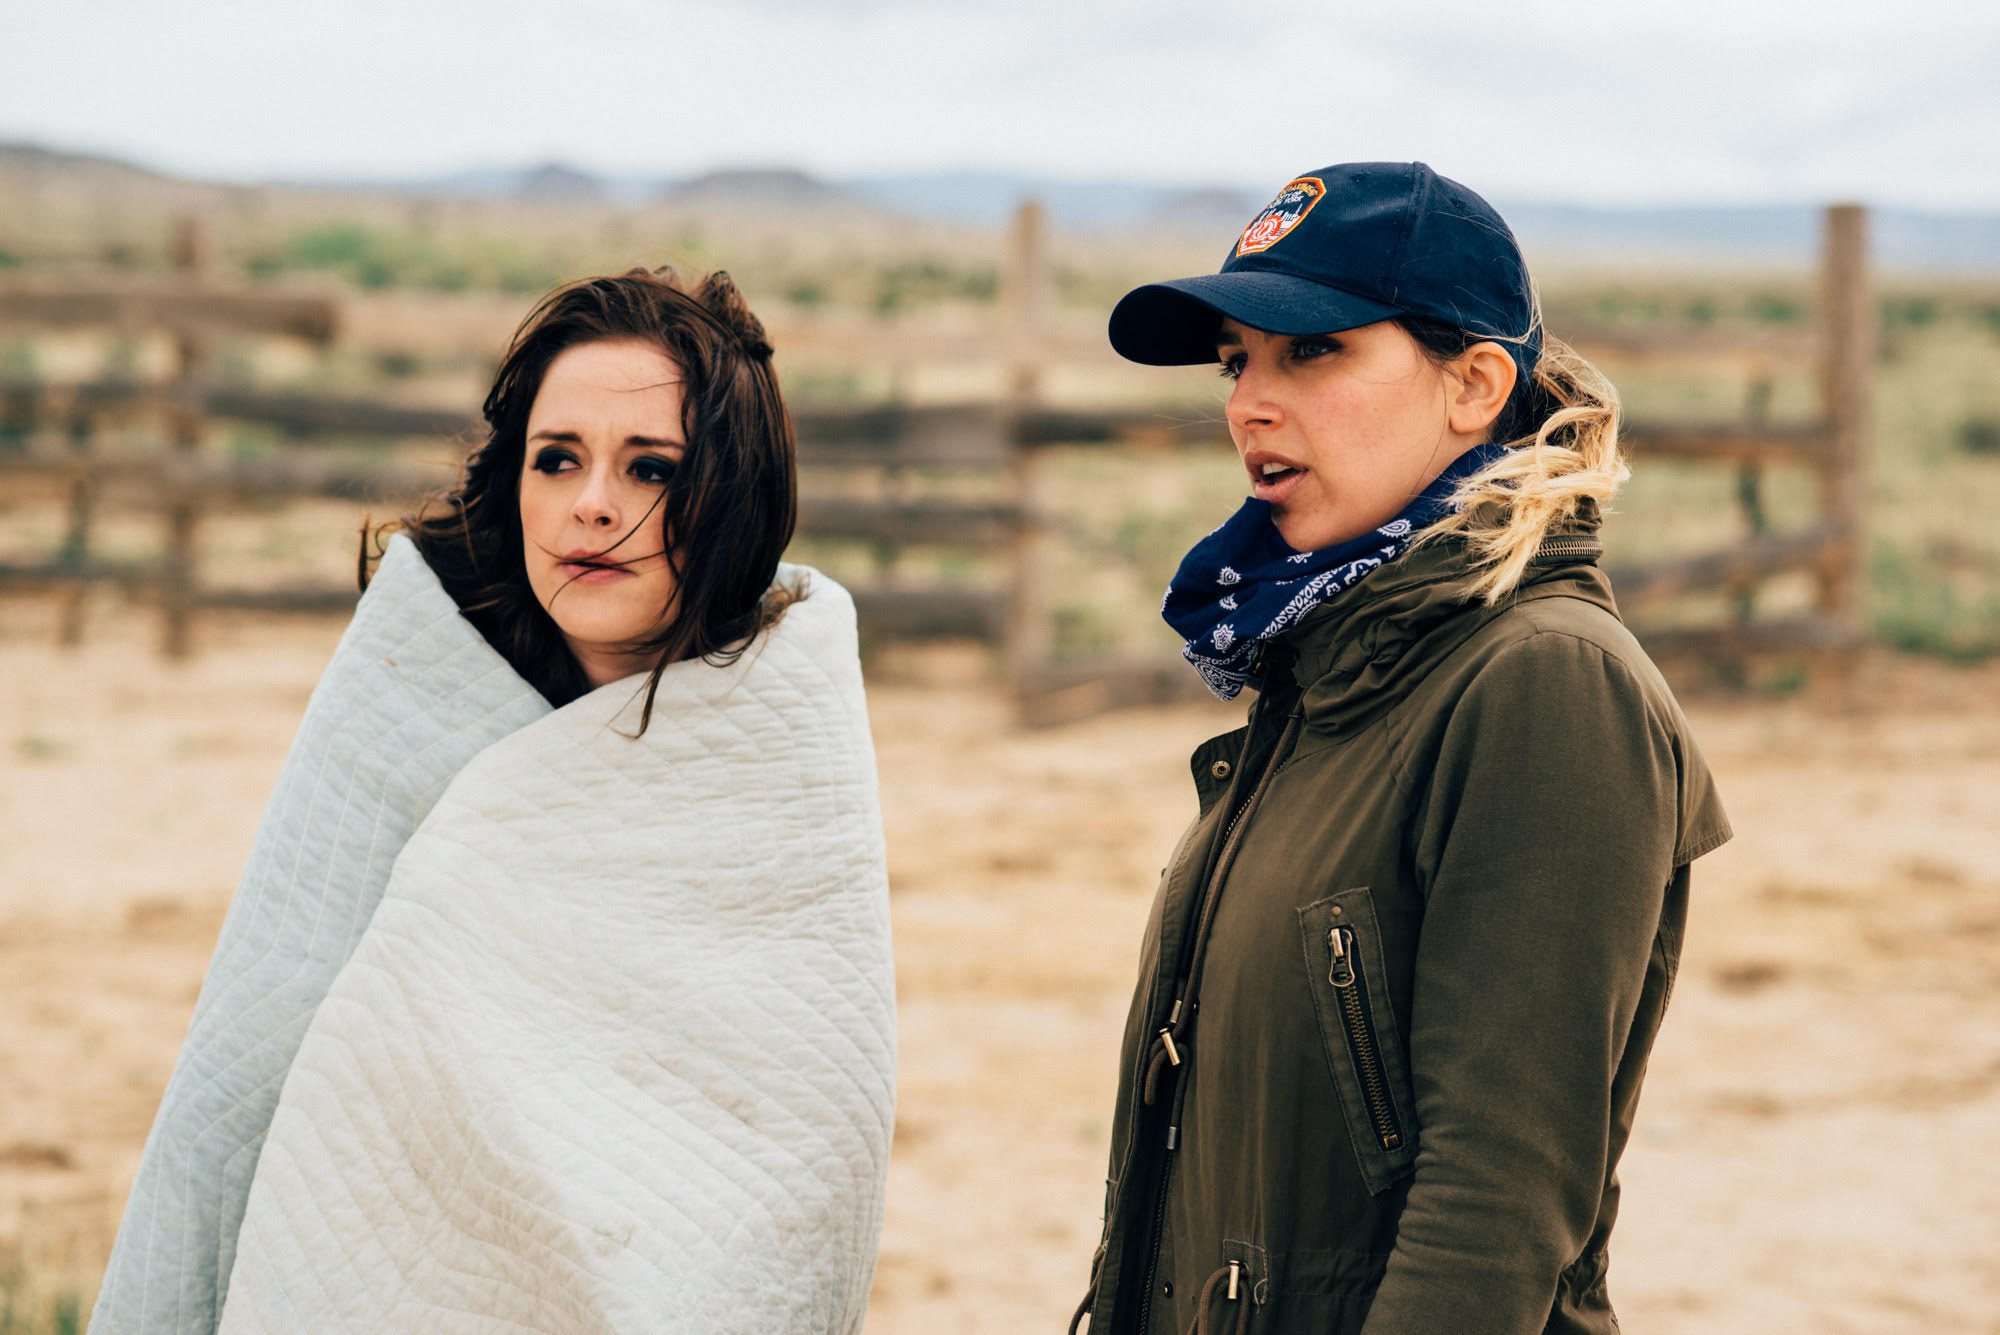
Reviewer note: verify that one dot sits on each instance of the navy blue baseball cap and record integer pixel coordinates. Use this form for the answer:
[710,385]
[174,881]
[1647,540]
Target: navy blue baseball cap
[1340,247]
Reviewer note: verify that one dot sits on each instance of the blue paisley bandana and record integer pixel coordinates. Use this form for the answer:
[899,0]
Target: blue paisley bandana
[1243,583]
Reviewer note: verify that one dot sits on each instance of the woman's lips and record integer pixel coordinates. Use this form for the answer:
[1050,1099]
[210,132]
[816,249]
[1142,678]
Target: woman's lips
[579,573]
[1275,487]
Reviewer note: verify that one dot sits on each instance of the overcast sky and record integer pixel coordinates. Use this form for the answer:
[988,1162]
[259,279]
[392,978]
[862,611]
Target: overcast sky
[1894,101]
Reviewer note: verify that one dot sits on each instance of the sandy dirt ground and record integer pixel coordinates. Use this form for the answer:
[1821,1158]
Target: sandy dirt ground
[1818,1149]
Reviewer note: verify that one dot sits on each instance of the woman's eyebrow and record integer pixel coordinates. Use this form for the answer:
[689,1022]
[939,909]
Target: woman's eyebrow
[633,442]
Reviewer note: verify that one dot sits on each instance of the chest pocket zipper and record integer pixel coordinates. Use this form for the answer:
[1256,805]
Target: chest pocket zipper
[1348,991]
[1364,1053]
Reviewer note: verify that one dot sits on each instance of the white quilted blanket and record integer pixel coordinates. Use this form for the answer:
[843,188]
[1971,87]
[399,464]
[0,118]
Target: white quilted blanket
[615,1050]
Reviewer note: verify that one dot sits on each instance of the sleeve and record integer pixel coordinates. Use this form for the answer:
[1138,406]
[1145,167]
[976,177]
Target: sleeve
[1544,843]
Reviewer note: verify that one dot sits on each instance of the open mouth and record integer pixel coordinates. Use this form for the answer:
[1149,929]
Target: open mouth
[1274,480]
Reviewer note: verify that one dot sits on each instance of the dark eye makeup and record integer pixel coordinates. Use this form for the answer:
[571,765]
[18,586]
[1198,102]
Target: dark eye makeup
[653,470]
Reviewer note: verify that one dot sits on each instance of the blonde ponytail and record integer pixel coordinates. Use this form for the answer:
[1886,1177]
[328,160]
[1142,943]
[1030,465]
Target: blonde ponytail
[1562,460]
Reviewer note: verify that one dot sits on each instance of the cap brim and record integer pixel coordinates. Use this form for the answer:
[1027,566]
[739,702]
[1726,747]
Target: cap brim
[1174,323]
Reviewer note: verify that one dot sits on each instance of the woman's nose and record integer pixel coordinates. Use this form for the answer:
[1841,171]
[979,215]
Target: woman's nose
[1251,406]
[596,505]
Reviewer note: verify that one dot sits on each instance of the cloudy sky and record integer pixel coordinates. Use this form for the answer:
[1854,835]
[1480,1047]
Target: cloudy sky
[1607,101]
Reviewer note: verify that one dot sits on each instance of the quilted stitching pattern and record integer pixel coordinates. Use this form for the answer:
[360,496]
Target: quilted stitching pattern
[412,694]
[616,1052]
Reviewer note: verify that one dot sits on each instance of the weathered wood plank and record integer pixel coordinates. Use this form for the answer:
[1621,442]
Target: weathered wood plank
[974,614]
[893,435]
[1754,559]
[1170,427]
[1807,635]
[1725,443]
[125,304]
[941,523]
[307,415]
[57,574]
[221,481]
[303,415]
[301,600]
[1666,341]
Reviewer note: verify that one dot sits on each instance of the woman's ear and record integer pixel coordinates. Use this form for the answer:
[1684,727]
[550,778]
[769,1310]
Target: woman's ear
[1485,377]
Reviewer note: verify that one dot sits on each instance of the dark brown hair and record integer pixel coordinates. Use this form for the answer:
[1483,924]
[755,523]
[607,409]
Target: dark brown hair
[730,506]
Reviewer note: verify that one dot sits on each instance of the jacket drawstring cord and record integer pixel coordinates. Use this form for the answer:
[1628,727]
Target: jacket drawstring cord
[1096,1280]
[1233,1272]
[1083,1310]
[1165,1053]
[1154,1067]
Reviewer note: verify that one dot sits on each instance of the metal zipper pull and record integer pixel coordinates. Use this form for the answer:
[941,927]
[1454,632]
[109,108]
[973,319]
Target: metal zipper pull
[1167,1034]
[1341,972]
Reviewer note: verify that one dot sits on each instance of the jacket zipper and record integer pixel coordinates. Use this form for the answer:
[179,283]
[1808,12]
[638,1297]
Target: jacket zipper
[1561,548]
[1345,975]
[1280,752]
[1153,1261]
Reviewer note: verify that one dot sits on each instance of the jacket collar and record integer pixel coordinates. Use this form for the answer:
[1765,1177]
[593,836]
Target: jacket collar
[1360,653]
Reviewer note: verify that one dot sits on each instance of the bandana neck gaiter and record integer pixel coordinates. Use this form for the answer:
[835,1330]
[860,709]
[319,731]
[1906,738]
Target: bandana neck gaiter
[1244,583]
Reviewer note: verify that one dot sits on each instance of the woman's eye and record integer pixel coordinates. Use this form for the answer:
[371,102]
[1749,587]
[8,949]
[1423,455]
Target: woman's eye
[1305,349]
[1232,366]
[552,461]
[653,469]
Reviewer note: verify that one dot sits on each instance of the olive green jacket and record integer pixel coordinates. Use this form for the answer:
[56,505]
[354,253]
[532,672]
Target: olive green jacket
[1403,972]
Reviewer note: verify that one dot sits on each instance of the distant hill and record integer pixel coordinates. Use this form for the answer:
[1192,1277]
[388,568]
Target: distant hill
[1901,238]
[988,199]
[557,181]
[771,192]
[48,172]
[33,163]
[1683,234]
[544,182]
[1694,234]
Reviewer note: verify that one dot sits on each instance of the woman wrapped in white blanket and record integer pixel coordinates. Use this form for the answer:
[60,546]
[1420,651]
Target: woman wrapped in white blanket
[556,995]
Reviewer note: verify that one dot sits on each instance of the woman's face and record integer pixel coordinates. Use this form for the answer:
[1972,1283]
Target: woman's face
[604,436]
[1340,431]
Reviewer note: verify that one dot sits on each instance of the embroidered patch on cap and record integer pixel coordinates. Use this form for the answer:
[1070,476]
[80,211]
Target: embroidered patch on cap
[1281,215]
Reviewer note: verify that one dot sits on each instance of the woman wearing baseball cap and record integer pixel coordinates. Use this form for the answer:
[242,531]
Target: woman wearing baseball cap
[1403,972]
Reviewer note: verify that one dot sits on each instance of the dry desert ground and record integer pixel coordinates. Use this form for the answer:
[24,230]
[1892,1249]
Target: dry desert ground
[1818,1150]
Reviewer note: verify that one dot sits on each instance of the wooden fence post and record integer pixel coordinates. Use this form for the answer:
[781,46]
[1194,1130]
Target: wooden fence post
[79,426]
[1750,494]
[1847,363]
[184,421]
[1028,640]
